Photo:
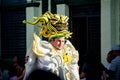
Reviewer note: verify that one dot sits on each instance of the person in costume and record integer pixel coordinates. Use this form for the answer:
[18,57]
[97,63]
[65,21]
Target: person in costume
[57,54]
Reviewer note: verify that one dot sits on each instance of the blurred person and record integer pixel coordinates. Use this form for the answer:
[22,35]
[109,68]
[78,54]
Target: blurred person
[12,73]
[16,60]
[92,69]
[5,70]
[56,54]
[114,69]
[109,58]
[89,72]
[21,72]
[19,65]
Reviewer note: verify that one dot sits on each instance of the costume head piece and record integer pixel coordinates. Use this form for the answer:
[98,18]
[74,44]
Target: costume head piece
[53,25]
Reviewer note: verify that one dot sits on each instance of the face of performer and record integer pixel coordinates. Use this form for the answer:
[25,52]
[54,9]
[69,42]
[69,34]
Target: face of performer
[58,43]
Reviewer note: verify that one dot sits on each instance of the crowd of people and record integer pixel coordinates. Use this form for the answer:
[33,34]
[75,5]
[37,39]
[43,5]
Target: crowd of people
[95,70]
[55,58]
[13,70]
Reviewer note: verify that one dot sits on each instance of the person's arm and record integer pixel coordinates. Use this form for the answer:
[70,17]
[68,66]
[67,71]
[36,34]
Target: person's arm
[104,75]
[110,73]
[112,68]
[22,75]
[82,75]
[84,70]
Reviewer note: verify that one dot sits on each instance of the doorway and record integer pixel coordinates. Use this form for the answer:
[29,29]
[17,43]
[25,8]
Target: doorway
[85,25]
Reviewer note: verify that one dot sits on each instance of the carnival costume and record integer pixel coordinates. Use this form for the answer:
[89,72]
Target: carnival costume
[43,55]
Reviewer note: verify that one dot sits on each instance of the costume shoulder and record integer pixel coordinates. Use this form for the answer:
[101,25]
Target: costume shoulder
[70,48]
[40,47]
[70,45]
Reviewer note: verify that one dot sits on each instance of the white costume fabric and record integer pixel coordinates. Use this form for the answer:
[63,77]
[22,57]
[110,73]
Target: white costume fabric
[43,55]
